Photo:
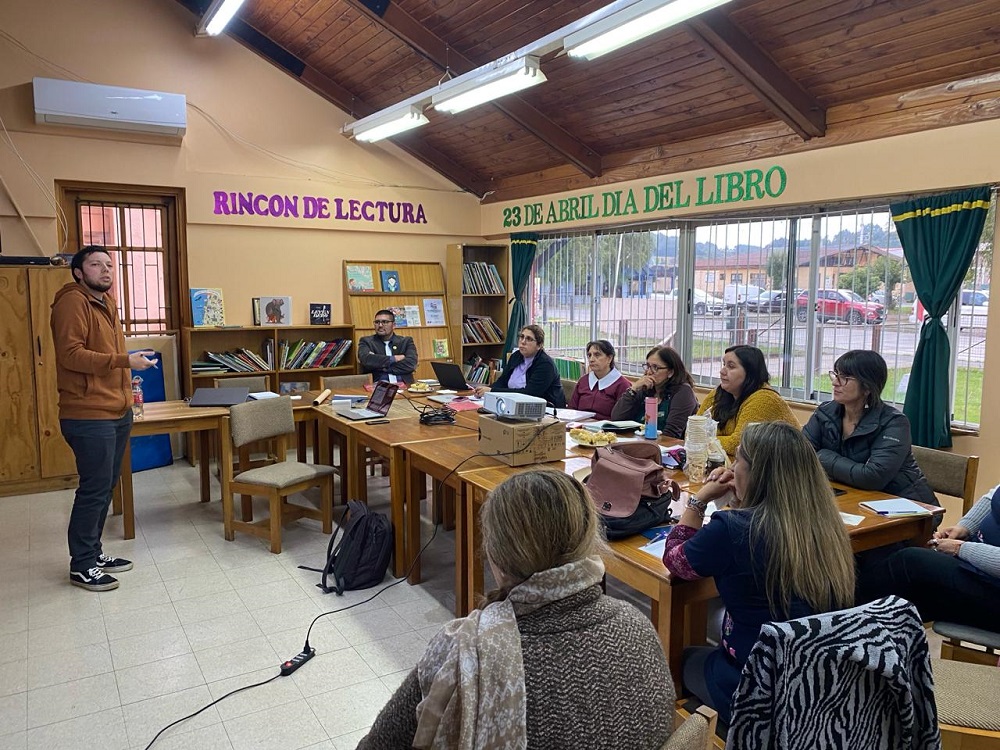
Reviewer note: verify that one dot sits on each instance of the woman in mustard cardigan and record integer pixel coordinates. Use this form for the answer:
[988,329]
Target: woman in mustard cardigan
[744,396]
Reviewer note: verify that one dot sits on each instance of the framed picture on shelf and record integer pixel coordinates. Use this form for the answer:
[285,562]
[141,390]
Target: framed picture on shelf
[359,279]
[319,313]
[207,308]
[293,387]
[390,281]
[277,310]
[255,306]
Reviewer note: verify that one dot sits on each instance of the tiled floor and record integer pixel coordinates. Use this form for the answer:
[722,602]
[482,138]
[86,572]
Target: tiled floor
[196,618]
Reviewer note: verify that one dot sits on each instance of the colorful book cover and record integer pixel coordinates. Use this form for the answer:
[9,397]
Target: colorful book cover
[390,281]
[359,279]
[400,313]
[412,315]
[319,313]
[440,348]
[277,310]
[207,308]
[433,311]
[293,387]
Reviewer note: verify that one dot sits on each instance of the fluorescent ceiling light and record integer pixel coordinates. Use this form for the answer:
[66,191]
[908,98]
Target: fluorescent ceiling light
[393,123]
[219,13]
[633,23]
[489,85]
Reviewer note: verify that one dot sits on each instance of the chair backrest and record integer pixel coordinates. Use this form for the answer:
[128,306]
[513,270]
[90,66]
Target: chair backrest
[949,473]
[696,731]
[334,382]
[260,420]
[568,386]
[254,383]
[873,665]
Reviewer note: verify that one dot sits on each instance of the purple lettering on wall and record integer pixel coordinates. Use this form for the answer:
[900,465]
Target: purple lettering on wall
[317,207]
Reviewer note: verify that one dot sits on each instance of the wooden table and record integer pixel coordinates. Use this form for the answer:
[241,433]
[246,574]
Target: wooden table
[677,607]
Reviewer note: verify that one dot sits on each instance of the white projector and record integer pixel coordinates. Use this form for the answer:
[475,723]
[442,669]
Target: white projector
[514,405]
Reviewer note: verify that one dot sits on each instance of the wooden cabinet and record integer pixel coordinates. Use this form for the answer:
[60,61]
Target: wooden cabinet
[33,454]
[196,343]
[465,301]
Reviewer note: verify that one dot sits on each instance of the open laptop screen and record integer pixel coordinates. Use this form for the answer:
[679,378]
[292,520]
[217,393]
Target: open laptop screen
[382,396]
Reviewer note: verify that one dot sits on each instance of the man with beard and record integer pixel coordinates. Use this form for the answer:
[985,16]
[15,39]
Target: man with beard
[93,373]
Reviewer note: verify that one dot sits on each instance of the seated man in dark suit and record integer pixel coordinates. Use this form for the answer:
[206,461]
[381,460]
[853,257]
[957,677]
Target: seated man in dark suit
[385,355]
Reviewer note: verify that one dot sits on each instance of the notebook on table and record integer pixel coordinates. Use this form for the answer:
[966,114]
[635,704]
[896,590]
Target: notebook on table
[219,396]
[895,506]
[378,405]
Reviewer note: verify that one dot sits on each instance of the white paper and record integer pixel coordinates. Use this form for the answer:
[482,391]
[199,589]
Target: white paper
[655,548]
[850,519]
[433,312]
[568,415]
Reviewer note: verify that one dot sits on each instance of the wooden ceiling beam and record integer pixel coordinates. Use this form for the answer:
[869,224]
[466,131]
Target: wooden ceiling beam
[756,70]
[426,43]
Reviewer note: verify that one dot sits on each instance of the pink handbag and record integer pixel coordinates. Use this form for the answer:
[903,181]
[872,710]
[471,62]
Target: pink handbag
[622,475]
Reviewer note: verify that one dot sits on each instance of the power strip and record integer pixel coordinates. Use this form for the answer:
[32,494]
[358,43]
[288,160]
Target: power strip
[297,661]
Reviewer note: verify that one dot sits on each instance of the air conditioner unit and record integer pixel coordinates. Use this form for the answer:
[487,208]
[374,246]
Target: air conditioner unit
[91,105]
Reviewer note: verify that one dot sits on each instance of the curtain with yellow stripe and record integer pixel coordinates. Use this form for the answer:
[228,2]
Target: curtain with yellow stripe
[939,235]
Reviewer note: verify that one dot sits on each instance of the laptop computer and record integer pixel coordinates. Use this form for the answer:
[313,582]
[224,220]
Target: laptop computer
[219,396]
[450,376]
[378,405]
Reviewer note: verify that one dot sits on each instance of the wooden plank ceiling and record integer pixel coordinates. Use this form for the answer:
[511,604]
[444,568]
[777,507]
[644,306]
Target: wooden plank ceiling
[753,78]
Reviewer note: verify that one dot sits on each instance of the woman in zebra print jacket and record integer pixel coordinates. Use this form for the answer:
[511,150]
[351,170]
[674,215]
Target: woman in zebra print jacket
[957,577]
[779,552]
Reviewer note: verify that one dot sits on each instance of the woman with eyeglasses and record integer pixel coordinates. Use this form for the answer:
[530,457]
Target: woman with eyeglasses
[666,378]
[530,370]
[744,396]
[779,552]
[599,390]
[861,441]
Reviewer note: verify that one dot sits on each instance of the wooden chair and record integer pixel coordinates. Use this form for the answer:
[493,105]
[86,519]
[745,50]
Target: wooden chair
[334,382]
[949,473]
[253,383]
[968,704]
[956,637]
[270,419]
[693,730]
[568,386]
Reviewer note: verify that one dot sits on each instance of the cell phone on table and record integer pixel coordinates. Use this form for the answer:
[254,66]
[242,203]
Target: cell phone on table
[378,421]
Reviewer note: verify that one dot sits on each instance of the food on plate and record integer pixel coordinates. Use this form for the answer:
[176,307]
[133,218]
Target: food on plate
[419,387]
[588,437]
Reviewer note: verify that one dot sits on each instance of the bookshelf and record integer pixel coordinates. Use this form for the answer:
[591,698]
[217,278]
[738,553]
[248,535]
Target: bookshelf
[419,285]
[479,302]
[197,342]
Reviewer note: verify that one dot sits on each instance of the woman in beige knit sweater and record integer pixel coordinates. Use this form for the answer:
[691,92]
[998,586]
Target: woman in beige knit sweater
[551,662]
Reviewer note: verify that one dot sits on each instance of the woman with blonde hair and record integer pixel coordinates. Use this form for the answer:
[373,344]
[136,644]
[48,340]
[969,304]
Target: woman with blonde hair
[780,552]
[550,662]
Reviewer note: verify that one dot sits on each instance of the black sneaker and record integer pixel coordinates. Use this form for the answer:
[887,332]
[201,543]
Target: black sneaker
[94,579]
[113,564]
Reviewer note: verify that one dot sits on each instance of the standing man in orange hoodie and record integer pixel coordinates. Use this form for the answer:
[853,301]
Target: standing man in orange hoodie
[93,373]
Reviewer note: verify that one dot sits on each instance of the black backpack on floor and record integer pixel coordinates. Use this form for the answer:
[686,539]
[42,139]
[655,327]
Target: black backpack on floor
[361,558]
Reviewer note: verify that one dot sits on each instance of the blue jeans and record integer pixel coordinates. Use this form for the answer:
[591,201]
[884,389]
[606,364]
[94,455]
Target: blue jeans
[99,446]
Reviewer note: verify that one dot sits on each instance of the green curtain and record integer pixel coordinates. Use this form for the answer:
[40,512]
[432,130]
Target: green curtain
[939,235]
[523,247]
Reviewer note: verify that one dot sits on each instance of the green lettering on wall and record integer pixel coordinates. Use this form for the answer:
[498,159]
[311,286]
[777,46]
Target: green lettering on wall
[754,192]
[550,217]
[777,171]
[734,186]
[629,207]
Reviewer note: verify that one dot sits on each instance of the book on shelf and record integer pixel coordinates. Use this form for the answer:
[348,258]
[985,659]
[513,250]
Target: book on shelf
[319,313]
[277,310]
[306,355]
[255,309]
[390,281]
[359,279]
[433,311]
[238,360]
[481,278]
[293,387]
[480,329]
[480,371]
[207,308]
[440,347]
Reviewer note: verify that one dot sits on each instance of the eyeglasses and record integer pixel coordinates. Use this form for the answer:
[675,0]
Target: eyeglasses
[522,337]
[836,377]
[654,368]
[384,322]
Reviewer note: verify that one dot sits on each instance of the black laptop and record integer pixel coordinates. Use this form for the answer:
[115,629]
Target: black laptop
[219,396]
[450,376]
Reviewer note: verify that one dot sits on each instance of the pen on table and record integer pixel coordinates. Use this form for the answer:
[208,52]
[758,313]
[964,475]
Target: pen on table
[900,513]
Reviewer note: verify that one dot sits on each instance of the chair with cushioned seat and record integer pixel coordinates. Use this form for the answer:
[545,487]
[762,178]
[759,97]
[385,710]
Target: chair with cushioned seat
[568,387]
[694,729]
[956,636]
[949,473]
[968,704]
[333,382]
[270,419]
[254,384]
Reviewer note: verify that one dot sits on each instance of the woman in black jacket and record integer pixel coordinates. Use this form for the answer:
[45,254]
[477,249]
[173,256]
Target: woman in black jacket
[860,441]
[530,370]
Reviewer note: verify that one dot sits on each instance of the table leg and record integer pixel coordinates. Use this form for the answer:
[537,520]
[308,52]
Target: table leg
[357,482]
[668,617]
[461,564]
[414,480]
[128,500]
[397,496]
[206,476]
[300,443]
[473,550]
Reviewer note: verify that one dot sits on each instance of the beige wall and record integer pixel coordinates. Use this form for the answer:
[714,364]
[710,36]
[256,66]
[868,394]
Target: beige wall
[250,128]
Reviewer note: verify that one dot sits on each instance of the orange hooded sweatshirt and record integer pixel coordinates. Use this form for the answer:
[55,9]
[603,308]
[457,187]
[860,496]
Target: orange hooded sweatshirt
[92,369]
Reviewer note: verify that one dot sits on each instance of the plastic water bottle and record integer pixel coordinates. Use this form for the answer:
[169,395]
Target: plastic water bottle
[650,433]
[137,399]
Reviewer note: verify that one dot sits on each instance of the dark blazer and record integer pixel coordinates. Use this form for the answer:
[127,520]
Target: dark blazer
[542,379]
[372,357]
[876,456]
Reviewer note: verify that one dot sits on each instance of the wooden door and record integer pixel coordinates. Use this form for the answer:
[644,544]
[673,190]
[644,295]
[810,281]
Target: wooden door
[55,457]
[18,438]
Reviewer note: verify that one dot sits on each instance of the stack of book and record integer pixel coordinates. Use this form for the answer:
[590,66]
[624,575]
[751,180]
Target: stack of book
[303,355]
[200,367]
[481,278]
[236,360]
[480,329]
[477,370]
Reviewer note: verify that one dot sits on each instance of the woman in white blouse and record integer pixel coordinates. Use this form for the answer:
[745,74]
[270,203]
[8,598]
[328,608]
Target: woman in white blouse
[599,389]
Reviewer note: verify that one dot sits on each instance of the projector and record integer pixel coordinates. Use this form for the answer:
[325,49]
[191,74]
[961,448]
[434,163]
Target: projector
[514,405]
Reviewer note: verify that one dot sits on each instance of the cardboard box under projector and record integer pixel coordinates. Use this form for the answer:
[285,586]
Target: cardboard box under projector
[518,443]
